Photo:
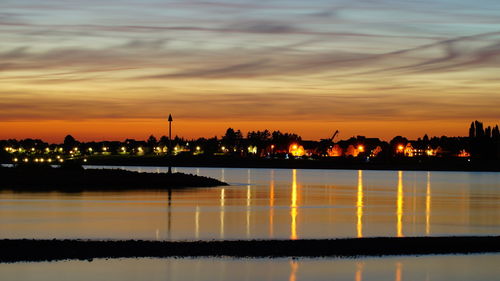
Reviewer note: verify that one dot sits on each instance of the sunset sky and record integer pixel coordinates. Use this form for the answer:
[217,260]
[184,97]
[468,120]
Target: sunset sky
[115,69]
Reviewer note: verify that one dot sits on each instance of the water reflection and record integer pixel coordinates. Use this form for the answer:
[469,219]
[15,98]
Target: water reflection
[399,271]
[222,204]
[294,267]
[197,223]
[169,212]
[443,268]
[293,206]
[267,203]
[359,205]
[271,205]
[249,202]
[359,271]
[399,211]
[428,205]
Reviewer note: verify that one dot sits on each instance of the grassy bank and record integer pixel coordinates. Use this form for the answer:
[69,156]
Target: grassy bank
[42,250]
[76,179]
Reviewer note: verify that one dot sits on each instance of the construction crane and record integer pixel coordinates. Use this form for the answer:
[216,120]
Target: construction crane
[334,135]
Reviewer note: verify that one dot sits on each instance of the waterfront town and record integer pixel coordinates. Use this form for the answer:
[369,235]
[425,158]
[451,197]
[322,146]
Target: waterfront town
[481,142]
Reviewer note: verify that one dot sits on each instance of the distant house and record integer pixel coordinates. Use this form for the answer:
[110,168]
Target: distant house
[296,150]
[335,151]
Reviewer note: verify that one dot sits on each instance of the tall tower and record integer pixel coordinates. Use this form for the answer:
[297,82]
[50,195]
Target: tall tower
[170,119]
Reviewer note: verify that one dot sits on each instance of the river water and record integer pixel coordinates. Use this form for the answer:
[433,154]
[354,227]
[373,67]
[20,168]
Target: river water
[266,204]
[426,268]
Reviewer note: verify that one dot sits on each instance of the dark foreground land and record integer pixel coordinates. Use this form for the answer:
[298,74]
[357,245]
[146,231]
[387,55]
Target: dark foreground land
[76,179]
[49,250]
[416,164]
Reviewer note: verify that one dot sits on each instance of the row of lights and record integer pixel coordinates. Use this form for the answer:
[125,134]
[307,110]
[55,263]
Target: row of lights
[38,160]
[90,149]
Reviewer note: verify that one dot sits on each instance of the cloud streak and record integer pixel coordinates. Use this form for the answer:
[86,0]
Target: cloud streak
[235,60]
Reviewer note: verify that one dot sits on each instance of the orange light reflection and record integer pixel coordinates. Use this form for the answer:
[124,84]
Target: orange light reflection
[428,205]
[271,206]
[293,206]
[400,205]
[359,205]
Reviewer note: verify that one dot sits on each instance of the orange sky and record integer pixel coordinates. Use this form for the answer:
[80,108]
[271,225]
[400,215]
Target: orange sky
[375,68]
[55,131]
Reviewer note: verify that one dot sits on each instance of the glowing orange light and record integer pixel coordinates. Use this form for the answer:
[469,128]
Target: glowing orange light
[296,150]
[361,148]
[400,147]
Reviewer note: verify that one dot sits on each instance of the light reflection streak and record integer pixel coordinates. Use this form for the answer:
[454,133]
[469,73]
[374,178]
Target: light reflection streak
[169,218]
[359,271]
[294,267]
[223,175]
[400,205]
[428,205]
[222,204]
[293,206]
[249,201]
[359,205]
[197,223]
[271,205]
[399,271]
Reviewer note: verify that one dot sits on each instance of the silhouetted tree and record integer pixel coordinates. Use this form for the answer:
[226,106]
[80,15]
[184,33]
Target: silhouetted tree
[69,143]
[163,141]
[426,139]
[487,132]
[398,140]
[472,130]
[232,138]
[479,129]
[495,133]
[152,142]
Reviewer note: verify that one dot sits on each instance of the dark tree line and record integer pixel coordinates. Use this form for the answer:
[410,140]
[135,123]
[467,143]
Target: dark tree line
[484,142]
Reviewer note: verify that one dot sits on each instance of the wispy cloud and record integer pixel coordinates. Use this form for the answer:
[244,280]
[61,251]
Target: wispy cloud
[350,60]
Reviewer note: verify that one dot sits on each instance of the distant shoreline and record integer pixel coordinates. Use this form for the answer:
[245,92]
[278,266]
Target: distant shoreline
[46,178]
[50,250]
[443,164]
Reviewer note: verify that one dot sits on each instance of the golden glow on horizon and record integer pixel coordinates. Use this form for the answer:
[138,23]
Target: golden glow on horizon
[399,211]
[359,205]
[293,206]
[141,129]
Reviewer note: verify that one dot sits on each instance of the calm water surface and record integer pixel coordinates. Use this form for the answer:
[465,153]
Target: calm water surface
[267,203]
[428,268]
